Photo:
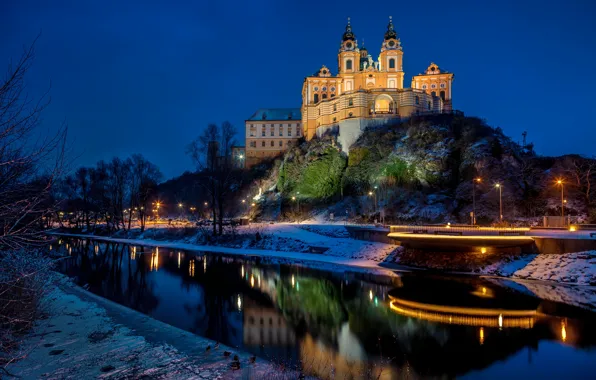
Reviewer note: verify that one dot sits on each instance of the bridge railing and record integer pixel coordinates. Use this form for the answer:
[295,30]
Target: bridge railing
[458,228]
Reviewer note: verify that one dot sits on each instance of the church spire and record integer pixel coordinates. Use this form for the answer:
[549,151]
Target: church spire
[348,35]
[390,33]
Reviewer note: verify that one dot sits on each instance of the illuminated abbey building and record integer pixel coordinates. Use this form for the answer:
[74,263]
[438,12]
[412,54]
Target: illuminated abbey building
[364,93]
[367,92]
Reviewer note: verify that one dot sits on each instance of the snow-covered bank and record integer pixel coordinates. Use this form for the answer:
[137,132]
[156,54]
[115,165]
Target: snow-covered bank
[568,268]
[85,336]
[571,268]
[280,240]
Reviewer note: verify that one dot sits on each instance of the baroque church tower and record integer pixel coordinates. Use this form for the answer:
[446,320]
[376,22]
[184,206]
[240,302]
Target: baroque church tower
[366,93]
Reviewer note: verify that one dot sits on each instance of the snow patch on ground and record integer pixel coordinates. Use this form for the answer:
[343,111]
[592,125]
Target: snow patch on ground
[572,268]
[507,266]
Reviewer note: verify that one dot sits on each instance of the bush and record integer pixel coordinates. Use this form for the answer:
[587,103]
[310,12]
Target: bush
[24,276]
[321,179]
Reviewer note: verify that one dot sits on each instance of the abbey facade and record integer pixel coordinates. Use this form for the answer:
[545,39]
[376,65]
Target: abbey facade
[367,92]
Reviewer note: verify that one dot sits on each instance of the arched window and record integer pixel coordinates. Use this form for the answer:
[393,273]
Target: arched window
[417,99]
[433,94]
[392,63]
[442,93]
[316,98]
[335,107]
[350,102]
[324,96]
[349,64]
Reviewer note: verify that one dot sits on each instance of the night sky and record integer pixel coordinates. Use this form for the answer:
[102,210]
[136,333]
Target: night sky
[147,76]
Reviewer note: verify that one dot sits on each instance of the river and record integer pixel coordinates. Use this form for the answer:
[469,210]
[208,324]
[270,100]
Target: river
[344,323]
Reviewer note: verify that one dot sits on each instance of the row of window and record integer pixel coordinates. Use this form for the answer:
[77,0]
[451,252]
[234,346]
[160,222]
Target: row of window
[253,144]
[273,125]
[391,64]
[424,87]
[280,133]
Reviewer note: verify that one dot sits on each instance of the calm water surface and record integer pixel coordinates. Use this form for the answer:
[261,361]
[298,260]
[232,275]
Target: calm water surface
[345,324]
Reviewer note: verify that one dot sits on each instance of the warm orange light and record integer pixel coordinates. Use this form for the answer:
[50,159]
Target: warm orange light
[559,182]
[483,250]
[498,185]
[572,229]
[478,179]
[563,332]
[482,335]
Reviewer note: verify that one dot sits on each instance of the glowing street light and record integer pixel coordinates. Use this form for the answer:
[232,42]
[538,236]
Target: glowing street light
[560,182]
[180,205]
[498,186]
[474,182]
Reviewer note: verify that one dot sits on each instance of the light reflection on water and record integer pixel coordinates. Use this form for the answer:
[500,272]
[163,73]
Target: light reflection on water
[361,325]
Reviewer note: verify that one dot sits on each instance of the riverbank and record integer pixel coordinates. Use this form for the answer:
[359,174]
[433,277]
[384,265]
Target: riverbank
[85,336]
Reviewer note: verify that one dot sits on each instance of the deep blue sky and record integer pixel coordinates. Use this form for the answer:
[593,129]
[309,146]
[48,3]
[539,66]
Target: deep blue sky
[146,76]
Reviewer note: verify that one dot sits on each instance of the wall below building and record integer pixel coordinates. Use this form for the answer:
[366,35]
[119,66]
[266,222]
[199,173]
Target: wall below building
[348,131]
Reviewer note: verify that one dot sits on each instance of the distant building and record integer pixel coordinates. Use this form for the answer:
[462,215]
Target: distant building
[269,133]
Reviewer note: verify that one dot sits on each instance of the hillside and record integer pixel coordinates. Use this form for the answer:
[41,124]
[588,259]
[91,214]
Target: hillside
[423,170]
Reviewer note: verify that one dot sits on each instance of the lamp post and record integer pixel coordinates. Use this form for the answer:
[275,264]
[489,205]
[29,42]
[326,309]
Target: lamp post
[244,204]
[560,182]
[474,182]
[157,206]
[376,199]
[498,186]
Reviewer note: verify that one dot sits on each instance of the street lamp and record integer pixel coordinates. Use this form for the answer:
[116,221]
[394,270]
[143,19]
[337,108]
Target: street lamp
[560,182]
[474,182]
[498,186]
[157,206]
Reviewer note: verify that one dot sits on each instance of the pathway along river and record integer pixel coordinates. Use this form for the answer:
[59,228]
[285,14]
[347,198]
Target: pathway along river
[344,324]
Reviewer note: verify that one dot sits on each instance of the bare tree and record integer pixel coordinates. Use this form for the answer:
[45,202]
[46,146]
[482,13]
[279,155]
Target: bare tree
[23,160]
[211,152]
[144,177]
[582,171]
[204,151]
[29,168]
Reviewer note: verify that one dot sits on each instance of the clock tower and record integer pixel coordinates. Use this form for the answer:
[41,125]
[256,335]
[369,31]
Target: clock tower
[349,54]
[391,57]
